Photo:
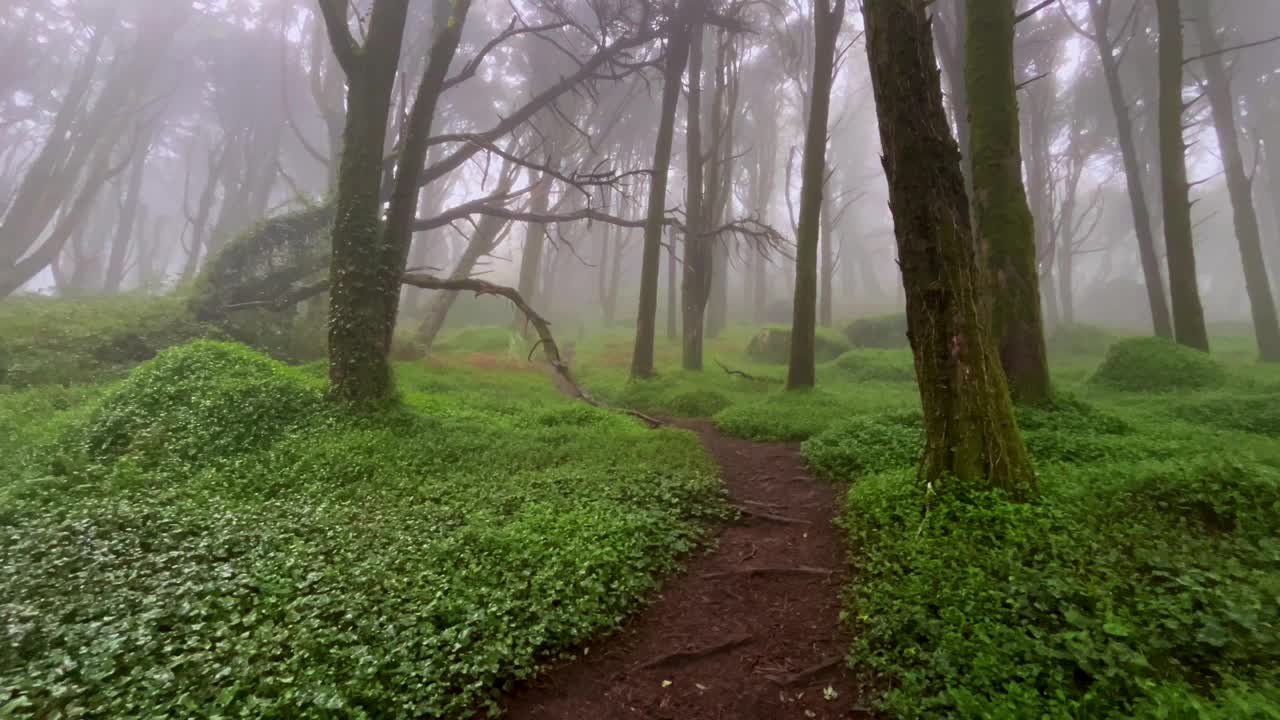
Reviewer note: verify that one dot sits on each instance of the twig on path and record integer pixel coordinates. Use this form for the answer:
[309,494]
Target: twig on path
[770,516]
[772,570]
[800,676]
[684,655]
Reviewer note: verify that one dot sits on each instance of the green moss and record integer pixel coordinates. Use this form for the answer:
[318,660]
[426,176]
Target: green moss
[878,365]
[1154,364]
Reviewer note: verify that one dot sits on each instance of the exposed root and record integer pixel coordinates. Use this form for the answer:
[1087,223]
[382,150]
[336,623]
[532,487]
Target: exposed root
[783,519]
[772,570]
[801,676]
[685,655]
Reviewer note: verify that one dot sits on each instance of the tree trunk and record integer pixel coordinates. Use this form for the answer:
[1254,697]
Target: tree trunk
[646,317]
[125,224]
[1188,315]
[1003,222]
[1133,173]
[482,242]
[827,268]
[695,288]
[802,367]
[1258,285]
[969,424]
[673,293]
[531,258]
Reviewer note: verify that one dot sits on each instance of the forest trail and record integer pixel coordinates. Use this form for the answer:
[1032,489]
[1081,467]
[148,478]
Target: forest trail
[750,631]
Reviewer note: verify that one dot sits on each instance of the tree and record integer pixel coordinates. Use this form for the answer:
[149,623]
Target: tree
[1107,45]
[369,255]
[1003,221]
[1262,305]
[802,366]
[969,425]
[1184,292]
[677,56]
[695,288]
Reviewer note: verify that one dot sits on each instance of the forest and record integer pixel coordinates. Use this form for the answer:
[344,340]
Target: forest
[640,359]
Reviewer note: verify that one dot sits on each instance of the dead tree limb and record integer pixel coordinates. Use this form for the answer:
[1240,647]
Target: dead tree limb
[771,517]
[745,376]
[800,676]
[772,570]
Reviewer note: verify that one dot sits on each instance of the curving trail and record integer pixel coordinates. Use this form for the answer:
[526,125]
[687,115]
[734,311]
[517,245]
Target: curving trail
[750,631]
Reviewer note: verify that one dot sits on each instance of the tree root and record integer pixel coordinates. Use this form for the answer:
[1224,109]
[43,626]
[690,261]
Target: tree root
[801,676]
[684,655]
[772,570]
[783,519]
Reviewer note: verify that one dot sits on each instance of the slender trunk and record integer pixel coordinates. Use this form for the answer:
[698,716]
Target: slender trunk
[1002,217]
[802,367]
[969,423]
[828,264]
[531,258]
[120,242]
[1188,315]
[1066,297]
[696,285]
[1258,285]
[1133,175]
[646,317]
[673,294]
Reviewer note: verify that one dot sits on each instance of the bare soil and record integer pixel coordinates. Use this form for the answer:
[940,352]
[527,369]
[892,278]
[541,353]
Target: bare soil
[751,631]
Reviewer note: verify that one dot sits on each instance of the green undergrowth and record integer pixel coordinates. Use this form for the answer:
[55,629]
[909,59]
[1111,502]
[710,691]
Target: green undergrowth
[480,339]
[212,537]
[92,339]
[1155,365]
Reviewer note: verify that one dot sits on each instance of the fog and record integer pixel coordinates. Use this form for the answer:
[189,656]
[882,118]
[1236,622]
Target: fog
[139,138]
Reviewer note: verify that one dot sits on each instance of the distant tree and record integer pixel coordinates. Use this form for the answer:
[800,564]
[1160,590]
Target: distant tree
[1188,315]
[1222,101]
[695,288]
[801,370]
[1108,42]
[968,416]
[1003,222]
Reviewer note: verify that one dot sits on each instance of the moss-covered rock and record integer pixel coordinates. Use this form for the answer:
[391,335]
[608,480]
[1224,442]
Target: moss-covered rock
[773,345]
[1153,364]
[879,331]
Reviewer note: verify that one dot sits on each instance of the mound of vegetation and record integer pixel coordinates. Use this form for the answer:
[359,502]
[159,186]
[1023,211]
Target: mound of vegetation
[873,365]
[1080,339]
[1153,364]
[772,345]
[218,539]
[1129,590]
[782,416]
[866,444]
[71,341]
[1258,414]
[879,331]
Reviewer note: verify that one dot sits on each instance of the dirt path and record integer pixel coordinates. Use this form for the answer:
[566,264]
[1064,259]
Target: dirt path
[725,641]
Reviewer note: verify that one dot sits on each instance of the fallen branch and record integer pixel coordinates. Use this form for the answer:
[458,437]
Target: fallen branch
[550,350]
[745,376]
[772,570]
[800,676]
[770,516]
[731,643]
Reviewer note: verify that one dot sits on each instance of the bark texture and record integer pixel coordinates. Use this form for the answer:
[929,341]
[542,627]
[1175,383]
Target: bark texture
[1003,221]
[968,416]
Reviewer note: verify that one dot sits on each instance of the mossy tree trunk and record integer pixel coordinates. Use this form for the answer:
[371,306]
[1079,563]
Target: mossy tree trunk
[1100,15]
[695,286]
[1240,186]
[1003,221]
[968,416]
[827,267]
[370,254]
[802,366]
[1188,315]
[647,315]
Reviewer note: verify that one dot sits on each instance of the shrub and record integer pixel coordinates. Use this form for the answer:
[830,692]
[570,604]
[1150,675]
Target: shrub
[773,345]
[872,365]
[1154,364]
[1129,590]
[866,444]
[1080,339]
[880,331]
